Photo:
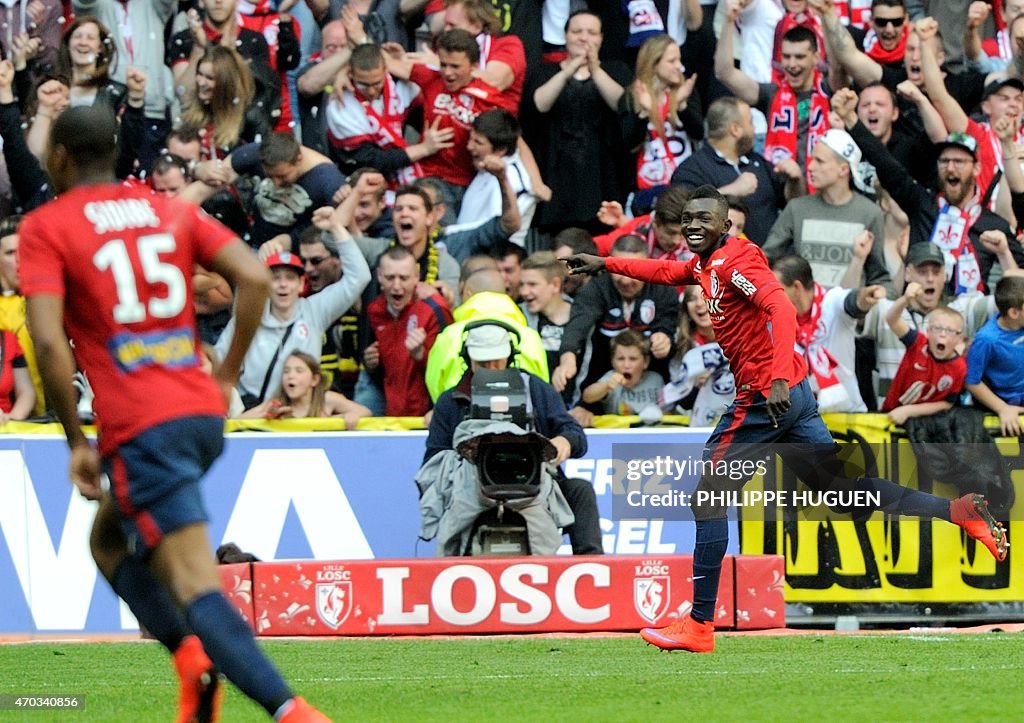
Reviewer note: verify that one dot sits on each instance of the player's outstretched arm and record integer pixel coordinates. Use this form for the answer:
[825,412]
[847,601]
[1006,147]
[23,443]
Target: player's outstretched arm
[251,280]
[45,314]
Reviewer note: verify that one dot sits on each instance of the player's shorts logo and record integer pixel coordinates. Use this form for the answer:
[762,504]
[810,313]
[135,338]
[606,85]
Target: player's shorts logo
[334,602]
[650,596]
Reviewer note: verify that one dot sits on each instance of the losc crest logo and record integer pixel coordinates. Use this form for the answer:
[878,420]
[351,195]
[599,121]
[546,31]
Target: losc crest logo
[334,595]
[651,593]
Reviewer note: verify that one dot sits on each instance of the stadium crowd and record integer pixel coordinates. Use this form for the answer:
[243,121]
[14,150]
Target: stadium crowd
[408,167]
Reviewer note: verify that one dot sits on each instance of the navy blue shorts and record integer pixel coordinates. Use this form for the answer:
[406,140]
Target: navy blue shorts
[154,478]
[746,432]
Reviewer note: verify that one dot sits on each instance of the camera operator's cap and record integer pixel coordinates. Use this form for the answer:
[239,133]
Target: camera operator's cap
[963,141]
[488,342]
[286,259]
[924,254]
[999,83]
[843,144]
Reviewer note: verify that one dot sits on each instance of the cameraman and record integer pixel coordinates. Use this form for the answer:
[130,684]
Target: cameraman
[490,347]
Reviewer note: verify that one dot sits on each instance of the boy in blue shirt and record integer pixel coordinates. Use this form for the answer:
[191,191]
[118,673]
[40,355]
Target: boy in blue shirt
[995,361]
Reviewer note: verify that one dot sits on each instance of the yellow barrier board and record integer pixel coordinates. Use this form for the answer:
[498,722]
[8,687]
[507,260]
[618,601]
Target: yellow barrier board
[885,559]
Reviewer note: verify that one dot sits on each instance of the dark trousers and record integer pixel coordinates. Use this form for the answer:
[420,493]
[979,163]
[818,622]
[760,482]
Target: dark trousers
[585,533]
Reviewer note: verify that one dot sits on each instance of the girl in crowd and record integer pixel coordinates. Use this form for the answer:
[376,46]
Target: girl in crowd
[223,93]
[661,116]
[86,55]
[304,394]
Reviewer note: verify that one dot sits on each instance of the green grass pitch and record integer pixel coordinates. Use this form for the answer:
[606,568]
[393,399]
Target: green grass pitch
[903,677]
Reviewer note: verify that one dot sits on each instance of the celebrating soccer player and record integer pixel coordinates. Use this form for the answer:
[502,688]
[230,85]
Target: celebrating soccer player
[755,323]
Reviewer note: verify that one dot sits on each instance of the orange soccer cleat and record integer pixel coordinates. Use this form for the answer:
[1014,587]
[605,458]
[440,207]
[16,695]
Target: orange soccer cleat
[302,712]
[685,634]
[971,513]
[200,691]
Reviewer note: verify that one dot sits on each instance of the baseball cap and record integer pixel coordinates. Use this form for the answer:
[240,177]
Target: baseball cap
[488,342]
[1000,83]
[286,259]
[925,253]
[843,144]
[959,140]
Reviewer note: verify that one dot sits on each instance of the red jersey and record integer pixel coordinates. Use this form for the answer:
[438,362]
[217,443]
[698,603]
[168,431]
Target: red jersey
[923,378]
[405,387]
[753,319]
[458,112]
[122,259]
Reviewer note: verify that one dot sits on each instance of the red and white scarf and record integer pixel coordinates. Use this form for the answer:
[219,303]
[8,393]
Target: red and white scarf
[788,22]
[951,233]
[662,152]
[831,393]
[874,50]
[780,143]
[390,126]
[854,13]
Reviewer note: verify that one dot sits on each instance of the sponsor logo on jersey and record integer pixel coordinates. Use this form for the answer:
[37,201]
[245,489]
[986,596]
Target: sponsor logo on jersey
[175,348]
[742,283]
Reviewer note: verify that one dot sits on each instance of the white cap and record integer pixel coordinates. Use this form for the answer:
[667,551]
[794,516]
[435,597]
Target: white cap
[488,342]
[843,144]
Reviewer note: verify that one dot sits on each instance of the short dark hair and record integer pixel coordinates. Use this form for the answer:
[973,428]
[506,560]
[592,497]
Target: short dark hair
[633,338]
[457,40]
[434,185]
[708,191]
[166,161]
[792,268]
[278,148]
[1009,293]
[630,243]
[801,34]
[506,249]
[500,128]
[396,253]
[366,57]
[88,134]
[879,84]
[670,204]
[410,190]
[736,203]
[721,113]
[186,133]
[578,239]
[583,12]
[888,4]
[313,235]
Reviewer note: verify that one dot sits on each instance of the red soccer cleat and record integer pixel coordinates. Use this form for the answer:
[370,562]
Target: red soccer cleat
[302,712]
[971,513]
[200,691]
[684,634]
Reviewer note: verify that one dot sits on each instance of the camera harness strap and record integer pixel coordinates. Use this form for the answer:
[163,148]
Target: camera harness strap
[273,361]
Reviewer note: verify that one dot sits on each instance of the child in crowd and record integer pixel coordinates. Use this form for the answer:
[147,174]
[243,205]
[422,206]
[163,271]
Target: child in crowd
[996,358]
[628,388]
[304,394]
[931,375]
[700,381]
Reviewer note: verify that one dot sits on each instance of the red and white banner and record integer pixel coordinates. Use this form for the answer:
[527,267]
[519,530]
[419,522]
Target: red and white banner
[494,595]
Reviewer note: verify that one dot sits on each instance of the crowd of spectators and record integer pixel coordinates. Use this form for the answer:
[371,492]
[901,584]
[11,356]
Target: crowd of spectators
[407,168]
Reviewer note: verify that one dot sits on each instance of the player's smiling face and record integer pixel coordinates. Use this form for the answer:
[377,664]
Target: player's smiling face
[704,225]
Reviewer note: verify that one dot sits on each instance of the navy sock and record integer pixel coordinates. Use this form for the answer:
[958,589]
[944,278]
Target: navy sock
[231,646]
[150,602]
[911,503]
[712,541]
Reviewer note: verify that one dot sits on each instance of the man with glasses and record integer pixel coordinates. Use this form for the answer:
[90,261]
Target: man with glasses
[365,125]
[884,40]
